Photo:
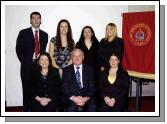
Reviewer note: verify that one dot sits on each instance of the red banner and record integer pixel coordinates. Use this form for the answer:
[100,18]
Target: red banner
[139,40]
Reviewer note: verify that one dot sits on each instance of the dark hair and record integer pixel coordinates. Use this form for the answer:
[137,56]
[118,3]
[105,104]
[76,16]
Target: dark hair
[70,40]
[93,38]
[49,58]
[114,53]
[35,13]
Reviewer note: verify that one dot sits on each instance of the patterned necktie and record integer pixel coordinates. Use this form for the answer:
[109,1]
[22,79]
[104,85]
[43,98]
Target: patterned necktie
[36,44]
[78,77]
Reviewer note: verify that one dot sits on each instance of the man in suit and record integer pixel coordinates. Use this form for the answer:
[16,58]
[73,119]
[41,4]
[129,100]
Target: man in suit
[30,42]
[78,84]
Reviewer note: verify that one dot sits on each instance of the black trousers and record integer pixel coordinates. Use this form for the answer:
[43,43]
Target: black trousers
[89,106]
[37,107]
[26,78]
[26,84]
[116,108]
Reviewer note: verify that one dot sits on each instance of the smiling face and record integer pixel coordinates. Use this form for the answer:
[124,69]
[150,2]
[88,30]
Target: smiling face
[63,28]
[36,21]
[114,61]
[77,57]
[111,31]
[44,62]
[87,33]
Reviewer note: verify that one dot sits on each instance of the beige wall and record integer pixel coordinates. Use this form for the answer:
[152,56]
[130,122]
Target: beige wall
[140,8]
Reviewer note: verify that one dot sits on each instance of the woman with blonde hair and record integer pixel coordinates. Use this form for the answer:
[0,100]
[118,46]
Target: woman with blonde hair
[110,43]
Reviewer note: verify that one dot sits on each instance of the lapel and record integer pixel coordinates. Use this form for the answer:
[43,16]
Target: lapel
[40,39]
[31,43]
[73,74]
[83,75]
[31,35]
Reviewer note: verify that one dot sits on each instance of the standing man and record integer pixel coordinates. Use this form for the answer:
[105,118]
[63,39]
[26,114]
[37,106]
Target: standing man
[79,84]
[30,42]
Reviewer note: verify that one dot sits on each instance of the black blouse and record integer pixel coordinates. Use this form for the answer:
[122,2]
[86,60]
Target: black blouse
[46,86]
[106,48]
[119,89]
[90,55]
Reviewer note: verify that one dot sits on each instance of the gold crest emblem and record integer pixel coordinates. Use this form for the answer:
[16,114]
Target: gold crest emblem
[140,34]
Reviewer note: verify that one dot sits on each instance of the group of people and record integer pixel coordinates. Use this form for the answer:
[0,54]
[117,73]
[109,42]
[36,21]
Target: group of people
[86,76]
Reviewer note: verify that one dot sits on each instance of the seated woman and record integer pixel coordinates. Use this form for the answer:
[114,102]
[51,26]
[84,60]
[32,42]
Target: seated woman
[114,86]
[45,86]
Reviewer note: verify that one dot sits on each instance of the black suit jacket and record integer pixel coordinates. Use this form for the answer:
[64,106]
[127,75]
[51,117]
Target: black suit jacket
[25,45]
[70,85]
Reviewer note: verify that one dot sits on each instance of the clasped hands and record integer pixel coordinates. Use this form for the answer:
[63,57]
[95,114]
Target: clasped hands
[109,101]
[79,100]
[43,100]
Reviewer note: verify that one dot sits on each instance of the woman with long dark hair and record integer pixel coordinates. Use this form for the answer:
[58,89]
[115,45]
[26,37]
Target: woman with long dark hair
[89,44]
[61,45]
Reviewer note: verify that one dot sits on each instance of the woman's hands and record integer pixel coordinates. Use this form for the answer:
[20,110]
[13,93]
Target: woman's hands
[109,102]
[43,100]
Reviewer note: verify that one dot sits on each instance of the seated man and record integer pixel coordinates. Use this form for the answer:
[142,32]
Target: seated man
[78,84]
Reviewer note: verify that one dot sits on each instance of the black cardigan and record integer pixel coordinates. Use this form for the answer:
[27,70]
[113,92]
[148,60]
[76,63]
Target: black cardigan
[119,90]
[49,87]
[106,48]
[90,56]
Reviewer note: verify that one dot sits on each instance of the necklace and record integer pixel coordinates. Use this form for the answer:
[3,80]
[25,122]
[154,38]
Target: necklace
[44,74]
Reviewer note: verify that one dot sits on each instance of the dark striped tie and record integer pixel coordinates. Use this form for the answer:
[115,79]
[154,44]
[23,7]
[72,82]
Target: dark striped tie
[78,77]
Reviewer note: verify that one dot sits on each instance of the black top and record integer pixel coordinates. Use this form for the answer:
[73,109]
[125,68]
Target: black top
[46,86]
[90,55]
[106,48]
[118,90]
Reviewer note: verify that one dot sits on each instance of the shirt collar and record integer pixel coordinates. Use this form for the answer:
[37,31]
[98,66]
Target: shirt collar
[78,66]
[34,29]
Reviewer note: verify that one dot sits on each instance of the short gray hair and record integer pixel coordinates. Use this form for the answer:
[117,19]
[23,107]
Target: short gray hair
[77,50]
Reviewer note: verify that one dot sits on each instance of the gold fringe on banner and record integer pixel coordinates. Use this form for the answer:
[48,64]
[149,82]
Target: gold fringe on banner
[141,75]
